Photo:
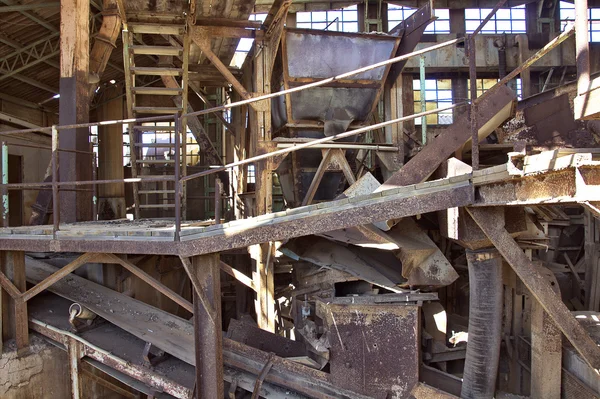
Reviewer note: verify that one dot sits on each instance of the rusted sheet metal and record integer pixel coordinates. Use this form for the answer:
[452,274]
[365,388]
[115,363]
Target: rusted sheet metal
[264,340]
[375,348]
[572,184]
[314,219]
[138,372]
[491,221]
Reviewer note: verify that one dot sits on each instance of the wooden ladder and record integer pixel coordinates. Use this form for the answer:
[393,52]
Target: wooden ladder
[162,192]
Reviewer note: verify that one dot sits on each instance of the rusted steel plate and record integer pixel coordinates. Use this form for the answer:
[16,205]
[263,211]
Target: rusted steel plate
[375,348]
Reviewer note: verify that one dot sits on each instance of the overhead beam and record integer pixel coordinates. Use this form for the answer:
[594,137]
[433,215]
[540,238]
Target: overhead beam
[27,7]
[16,121]
[31,16]
[491,222]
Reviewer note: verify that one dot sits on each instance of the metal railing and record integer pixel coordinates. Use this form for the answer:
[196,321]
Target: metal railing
[178,180]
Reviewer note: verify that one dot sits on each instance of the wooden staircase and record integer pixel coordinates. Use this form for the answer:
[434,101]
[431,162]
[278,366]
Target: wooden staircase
[156,195]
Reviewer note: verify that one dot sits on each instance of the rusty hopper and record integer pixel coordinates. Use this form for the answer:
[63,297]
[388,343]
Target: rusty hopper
[311,55]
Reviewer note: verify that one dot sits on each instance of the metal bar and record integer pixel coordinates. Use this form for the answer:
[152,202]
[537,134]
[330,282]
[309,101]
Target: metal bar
[369,147]
[582,46]
[88,182]
[531,60]
[95,188]
[176,178]
[217,201]
[489,16]
[254,99]
[238,275]
[320,141]
[4,172]
[423,103]
[473,113]
[55,206]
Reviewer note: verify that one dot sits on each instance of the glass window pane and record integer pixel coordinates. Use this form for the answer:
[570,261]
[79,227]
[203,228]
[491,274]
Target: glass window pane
[471,25]
[503,13]
[430,84]
[395,15]
[319,25]
[319,16]
[472,13]
[416,84]
[442,13]
[351,16]
[350,27]
[444,95]
[518,13]
[503,26]
[332,15]
[444,84]
[518,27]
[442,27]
[303,25]
[595,13]
[302,17]
[595,36]
[430,95]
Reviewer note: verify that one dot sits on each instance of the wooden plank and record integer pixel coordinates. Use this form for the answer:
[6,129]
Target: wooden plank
[166,291]
[314,184]
[208,341]
[20,281]
[56,276]
[491,222]
[236,274]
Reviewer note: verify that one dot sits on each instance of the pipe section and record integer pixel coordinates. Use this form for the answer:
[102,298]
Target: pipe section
[485,324]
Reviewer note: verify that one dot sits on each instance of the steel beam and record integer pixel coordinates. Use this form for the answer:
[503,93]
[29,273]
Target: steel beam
[27,7]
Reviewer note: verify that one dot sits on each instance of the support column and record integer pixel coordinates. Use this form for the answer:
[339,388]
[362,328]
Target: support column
[263,255]
[111,197]
[74,108]
[17,258]
[208,327]
[75,353]
[485,324]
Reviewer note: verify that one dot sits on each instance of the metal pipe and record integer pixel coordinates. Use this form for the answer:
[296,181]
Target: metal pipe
[217,201]
[319,141]
[95,187]
[54,160]
[485,324]
[582,46]
[176,177]
[370,147]
[254,99]
[423,103]
[4,172]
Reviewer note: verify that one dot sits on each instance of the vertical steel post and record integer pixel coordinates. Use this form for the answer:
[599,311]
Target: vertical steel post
[423,99]
[473,113]
[55,199]
[178,131]
[217,200]
[4,181]
[582,46]
[95,186]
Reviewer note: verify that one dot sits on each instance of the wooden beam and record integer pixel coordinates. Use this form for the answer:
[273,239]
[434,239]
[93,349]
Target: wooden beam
[9,287]
[204,43]
[227,32]
[189,269]
[75,351]
[59,274]
[314,184]
[142,275]
[238,275]
[491,222]
[226,22]
[20,281]
[208,340]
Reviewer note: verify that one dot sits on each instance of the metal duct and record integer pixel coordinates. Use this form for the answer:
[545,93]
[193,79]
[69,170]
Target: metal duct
[104,42]
[485,324]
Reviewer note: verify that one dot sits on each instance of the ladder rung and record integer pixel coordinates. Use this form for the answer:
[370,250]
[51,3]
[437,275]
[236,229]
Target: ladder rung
[156,110]
[154,161]
[146,192]
[155,128]
[160,91]
[156,29]
[155,145]
[156,206]
[157,50]
[156,71]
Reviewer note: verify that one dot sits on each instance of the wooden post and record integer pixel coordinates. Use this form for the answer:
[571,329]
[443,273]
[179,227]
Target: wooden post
[19,280]
[74,107]
[110,154]
[207,326]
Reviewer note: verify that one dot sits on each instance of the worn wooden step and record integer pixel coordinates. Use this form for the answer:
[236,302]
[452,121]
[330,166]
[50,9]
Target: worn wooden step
[155,129]
[160,91]
[156,110]
[156,71]
[157,50]
[156,29]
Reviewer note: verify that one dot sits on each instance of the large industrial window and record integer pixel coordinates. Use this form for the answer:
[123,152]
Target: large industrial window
[567,15]
[441,25]
[438,94]
[344,20]
[506,20]
[486,84]
[245,44]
